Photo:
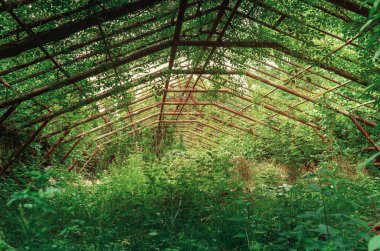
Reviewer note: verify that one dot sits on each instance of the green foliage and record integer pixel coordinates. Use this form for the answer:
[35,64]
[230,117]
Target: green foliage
[373,24]
[276,184]
[373,44]
[192,201]
[374,243]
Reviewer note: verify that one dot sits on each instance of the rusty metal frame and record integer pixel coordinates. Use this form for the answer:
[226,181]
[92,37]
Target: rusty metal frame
[112,62]
[325,88]
[365,133]
[176,37]
[223,7]
[280,87]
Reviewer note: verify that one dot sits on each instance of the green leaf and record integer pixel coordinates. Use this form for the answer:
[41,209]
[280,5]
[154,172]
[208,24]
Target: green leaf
[239,201]
[153,233]
[367,161]
[236,219]
[374,243]
[314,187]
[28,205]
[324,229]
[239,235]
[376,128]
[370,88]
[367,24]
[377,54]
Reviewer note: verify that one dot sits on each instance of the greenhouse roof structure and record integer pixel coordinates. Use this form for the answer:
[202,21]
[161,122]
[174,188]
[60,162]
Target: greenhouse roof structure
[81,72]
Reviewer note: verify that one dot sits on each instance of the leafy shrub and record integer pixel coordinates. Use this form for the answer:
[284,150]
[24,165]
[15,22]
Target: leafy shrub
[200,201]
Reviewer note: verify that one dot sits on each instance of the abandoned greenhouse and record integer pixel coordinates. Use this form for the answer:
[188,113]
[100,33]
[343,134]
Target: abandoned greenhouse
[190,125]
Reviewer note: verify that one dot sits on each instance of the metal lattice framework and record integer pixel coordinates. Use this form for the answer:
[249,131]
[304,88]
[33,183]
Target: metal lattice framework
[98,71]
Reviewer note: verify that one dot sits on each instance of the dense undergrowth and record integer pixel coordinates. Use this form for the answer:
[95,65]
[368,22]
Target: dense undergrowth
[298,189]
[213,200]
